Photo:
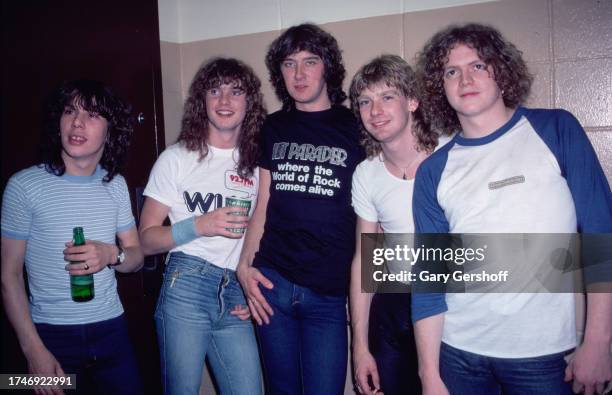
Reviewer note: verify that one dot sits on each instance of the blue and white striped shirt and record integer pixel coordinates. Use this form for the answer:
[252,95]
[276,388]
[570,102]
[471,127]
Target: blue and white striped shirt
[43,209]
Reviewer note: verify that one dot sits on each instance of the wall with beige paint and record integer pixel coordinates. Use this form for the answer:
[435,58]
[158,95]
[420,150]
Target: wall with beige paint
[567,45]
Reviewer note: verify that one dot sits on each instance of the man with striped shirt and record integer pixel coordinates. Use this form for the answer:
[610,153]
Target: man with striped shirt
[85,140]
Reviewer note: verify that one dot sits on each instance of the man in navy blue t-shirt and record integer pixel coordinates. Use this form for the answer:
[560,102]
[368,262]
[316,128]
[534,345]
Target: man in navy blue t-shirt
[296,258]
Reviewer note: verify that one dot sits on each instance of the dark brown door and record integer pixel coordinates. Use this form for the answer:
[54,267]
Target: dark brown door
[47,42]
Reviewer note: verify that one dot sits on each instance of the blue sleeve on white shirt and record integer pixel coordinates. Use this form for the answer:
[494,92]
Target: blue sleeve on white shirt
[428,215]
[429,218]
[566,139]
[568,142]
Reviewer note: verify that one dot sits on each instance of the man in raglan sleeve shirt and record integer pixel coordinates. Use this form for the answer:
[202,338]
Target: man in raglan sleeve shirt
[508,170]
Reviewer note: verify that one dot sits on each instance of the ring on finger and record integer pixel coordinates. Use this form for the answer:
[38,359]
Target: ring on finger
[86,267]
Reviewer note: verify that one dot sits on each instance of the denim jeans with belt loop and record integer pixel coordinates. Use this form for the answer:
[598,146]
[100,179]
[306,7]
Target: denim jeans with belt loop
[305,345]
[193,323]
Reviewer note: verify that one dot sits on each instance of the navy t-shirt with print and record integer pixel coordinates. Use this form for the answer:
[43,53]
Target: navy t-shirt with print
[309,235]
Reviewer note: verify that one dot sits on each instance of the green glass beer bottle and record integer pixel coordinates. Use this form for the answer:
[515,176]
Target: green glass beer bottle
[81,287]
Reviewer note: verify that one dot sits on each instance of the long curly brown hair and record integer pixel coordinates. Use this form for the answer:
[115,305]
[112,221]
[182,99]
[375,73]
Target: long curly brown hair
[194,126]
[394,72]
[509,70]
[311,38]
[96,97]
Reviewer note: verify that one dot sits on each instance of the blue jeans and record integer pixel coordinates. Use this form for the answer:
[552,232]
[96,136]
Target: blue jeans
[465,373]
[391,340]
[100,354]
[304,348]
[193,323]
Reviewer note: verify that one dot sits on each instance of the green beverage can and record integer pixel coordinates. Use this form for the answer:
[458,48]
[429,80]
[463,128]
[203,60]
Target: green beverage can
[233,201]
[81,287]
